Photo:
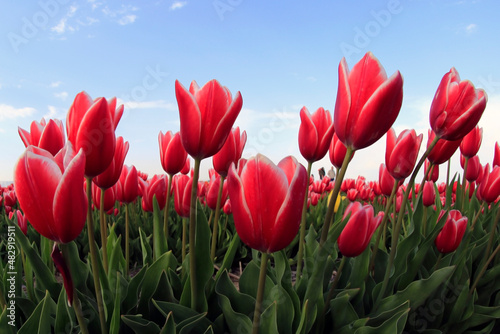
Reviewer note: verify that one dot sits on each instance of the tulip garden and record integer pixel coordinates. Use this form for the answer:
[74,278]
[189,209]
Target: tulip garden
[90,245]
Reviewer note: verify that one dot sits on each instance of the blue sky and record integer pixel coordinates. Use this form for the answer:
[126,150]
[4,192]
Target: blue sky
[281,55]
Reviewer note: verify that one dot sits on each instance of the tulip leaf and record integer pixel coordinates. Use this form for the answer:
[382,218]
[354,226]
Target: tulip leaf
[416,292]
[240,302]
[159,241]
[341,311]
[6,323]
[64,322]
[132,296]
[114,326]
[229,257]
[236,321]
[146,248]
[197,324]
[44,276]
[268,320]
[395,324]
[249,280]
[41,320]
[169,327]
[140,325]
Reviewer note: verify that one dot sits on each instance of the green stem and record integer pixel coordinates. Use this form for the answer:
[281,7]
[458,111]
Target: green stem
[397,228]
[104,232]
[424,222]
[215,229]
[474,221]
[192,236]
[483,270]
[127,241]
[165,210]
[438,261]
[332,288]
[492,234]
[302,235]
[260,293]
[77,307]
[94,257]
[448,198]
[384,225]
[464,192]
[184,236]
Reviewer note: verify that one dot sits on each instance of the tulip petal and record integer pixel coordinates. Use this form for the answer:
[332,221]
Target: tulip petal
[80,105]
[342,103]
[308,135]
[190,119]
[52,138]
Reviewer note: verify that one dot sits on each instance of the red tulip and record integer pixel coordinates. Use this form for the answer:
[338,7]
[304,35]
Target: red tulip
[109,197]
[471,142]
[49,136]
[230,152]
[10,198]
[452,233]
[434,173]
[129,181]
[401,153]
[358,231]
[207,115]
[352,194]
[182,194]
[315,133]
[213,192]
[474,167]
[385,180]
[227,207]
[429,194]
[443,150]
[173,156]
[21,220]
[490,184]
[496,156]
[337,151]
[156,186]
[367,102]
[456,108]
[91,127]
[50,192]
[266,201]
[111,175]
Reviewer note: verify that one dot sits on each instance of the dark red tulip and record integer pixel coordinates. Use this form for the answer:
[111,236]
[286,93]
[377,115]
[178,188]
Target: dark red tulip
[474,167]
[352,195]
[490,184]
[429,194]
[47,135]
[21,220]
[129,182]
[367,102]
[401,153]
[471,142]
[50,192]
[443,150]
[385,180]
[433,175]
[91,127]
[315,133]
[456,108]
[213,192]
[111,175]
[207,115]
[157,185]
[452,233]
[173,156]
[109,197]
[337,151]
[267,220]
[358,231]
[230,152]
[227,207]
[10,198]
[496,156]
[182,194]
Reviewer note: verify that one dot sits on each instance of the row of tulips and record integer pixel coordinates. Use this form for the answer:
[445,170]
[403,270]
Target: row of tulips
[385,256]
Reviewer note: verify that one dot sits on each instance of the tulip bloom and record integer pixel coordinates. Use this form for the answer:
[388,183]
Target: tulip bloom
[474,167]
[433,175]
[230,152]
[337,151]
[401,153]
[385,180]
[452,233]
[182,194]
[490,184]
[207,115]
[213,192]
[267,220]
[443,150]
[367,102]
[156,186]
[109,197]
[315,133]
[129,181]
[91,127]
[50,192]
[429,194]
[469,146]
[173,156]
[496,156]
[47,135]
[111,175]
[359,230]
[456,108]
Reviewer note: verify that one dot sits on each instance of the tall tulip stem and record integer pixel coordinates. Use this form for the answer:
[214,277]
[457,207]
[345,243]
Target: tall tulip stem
[94,257]
[127,237]
[260,293]
[215,229]
[192,235]
[184,236]
[332,290]
[104,232]
[77,307]
[493,233]
[464,188]
[397,228]
[302,235]
[165,210]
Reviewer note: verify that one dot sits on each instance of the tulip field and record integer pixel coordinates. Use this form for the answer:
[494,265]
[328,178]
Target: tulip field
[91,245]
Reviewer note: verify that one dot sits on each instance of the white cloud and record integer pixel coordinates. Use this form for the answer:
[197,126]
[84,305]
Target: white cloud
[157,104]
[121,16]
[55,84]
[10,112]
[62,95]
[127,19]
[63,25]
[471,28]
[178,5]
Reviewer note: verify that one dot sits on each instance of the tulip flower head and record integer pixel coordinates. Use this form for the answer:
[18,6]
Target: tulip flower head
[111,175]
[456,108]
[266,201]
[182,194]
[471,142]
[443,150]
[452,233]
[429,194]
[359,230]
[337,151]
[402,152]
[207,115]
[173,156]
[315,133]
[50,192]
[47,135]
[367,102]
[129,181]
[489,189]
[230,152]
